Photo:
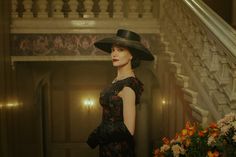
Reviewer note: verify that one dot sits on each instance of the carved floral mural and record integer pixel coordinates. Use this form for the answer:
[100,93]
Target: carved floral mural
[63,44]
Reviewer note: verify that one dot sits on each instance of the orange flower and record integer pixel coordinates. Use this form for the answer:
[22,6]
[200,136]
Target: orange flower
[210,154]
[191,131]
[214,134]
[176,136]
[187,125]
[184,132]
[215,154]
[156,152]
[166,140]
[202,133]
[213,126]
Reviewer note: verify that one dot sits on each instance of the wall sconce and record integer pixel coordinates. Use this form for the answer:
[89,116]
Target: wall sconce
[88,103]
[9,105]
[163,101]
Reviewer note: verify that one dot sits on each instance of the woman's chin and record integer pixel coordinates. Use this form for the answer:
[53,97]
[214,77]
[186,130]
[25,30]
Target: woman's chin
[115,65]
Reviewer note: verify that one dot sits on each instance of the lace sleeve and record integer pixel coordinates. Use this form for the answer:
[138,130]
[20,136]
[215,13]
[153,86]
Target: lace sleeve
[137,86]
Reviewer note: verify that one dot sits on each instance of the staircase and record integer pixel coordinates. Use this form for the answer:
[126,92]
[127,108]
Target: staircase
[202,48]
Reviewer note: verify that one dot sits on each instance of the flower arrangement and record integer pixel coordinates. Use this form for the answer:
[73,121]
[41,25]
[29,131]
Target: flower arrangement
[217,140]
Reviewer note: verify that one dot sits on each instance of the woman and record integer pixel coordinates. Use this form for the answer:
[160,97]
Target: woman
[115,133]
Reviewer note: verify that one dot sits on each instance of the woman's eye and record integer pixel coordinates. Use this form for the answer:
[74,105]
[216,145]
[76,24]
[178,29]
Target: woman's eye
[113,49]
[117,49]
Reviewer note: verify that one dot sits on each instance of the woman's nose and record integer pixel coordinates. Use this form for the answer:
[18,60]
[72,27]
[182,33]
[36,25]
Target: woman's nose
[113,55]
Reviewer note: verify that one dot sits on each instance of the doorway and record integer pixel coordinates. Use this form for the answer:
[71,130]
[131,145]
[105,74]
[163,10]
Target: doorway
[43,104]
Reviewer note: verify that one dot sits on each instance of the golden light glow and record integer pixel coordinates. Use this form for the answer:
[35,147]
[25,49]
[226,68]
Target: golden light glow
[163,101]
[11,104]
[89,102]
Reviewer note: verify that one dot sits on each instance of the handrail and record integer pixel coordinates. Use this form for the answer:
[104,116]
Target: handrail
[222,30]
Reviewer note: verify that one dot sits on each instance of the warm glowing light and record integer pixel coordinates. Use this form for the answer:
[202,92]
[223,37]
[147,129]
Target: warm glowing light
[88,102]
[163,101]
[12,105]
[9,105]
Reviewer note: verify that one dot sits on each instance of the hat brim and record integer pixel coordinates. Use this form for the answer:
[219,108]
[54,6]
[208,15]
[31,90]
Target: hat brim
[136,48]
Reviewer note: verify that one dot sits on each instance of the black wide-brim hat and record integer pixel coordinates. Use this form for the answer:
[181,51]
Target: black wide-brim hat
[128,39]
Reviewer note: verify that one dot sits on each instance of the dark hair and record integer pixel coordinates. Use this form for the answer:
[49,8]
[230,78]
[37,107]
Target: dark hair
[135,62]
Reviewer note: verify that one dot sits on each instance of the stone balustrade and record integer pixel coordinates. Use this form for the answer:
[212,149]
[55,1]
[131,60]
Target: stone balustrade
[83,16]
[82,9]
[206,53]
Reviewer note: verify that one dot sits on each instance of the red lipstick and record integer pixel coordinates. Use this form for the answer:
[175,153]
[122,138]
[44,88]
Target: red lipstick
[115,60]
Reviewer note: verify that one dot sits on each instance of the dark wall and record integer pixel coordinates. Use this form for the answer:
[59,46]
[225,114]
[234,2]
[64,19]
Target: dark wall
[55,122]
[222,8]
[5,78]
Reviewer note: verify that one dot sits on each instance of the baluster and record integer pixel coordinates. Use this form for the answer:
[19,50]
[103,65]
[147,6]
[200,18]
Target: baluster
[214,59]
[73,7]
[220,99]
[27,6]
[88,4]
[133,9]
[140,7]
[213,62]
[117,12]
[222,75]
[42,8]
[204,53]
[57,8]
[155,8]
[147,5]
[228,76]
[14,14]
[184,23]
[190,35]
[198,39]
[103,4]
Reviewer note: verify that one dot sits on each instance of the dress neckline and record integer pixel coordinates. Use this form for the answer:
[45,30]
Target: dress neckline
[113,82]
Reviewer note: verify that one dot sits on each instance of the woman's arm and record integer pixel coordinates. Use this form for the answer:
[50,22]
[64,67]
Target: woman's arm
[128,96]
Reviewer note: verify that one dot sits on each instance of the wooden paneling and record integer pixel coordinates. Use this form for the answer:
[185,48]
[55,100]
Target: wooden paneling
[6,115]
[28,139]
[71,121]
[62,128]
[58,116]
[83,119]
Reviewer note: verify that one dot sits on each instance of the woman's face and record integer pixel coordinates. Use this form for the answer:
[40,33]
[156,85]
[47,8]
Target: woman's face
[120,56]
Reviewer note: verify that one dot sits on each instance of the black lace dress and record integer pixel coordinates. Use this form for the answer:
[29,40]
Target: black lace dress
[112,135]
